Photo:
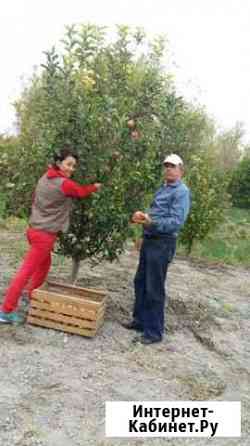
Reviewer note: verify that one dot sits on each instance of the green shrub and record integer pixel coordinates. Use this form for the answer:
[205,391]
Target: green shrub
[209,200]
[240,184]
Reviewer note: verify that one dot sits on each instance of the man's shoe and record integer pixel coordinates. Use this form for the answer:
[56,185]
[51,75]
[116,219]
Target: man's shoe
[132,326]
[146,341]
[10,318]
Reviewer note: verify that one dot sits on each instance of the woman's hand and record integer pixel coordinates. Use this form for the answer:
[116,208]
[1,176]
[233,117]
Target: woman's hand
[98,186]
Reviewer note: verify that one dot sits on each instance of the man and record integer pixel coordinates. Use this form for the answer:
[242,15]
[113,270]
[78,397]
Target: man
[161,225]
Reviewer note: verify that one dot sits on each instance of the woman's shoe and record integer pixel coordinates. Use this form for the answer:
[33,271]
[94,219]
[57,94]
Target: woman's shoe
[10,318]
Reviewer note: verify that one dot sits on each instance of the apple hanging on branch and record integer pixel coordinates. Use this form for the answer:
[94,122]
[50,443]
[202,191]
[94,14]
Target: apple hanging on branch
[131,123]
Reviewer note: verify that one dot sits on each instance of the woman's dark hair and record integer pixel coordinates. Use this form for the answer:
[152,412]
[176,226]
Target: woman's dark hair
[62,154]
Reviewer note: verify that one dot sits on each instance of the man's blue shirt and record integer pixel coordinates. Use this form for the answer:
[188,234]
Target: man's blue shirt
[169,209]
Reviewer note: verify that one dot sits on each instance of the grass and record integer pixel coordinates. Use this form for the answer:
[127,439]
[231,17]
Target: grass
[229,243]
[13,224]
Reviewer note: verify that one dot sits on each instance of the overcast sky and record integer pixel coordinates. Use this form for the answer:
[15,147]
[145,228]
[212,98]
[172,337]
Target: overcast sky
[209,43]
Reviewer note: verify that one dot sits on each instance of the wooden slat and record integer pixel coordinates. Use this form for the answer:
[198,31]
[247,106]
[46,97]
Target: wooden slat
[100,314]
[66,309]
[101,310]
[80,290]
[73,293]
[82,316]
[75,287]
[99,323]
[62,327]
[41,294]
[48,315]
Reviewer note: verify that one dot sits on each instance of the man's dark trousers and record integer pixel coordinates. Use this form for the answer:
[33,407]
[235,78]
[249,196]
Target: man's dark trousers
[155,256]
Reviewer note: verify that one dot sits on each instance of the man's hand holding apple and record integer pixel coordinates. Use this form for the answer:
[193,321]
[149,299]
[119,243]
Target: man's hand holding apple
[140,217]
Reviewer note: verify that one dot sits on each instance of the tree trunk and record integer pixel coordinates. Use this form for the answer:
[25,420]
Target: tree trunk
[189,247]
[75,269]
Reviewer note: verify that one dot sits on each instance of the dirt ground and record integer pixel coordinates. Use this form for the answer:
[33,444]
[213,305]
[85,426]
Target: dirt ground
[53,386]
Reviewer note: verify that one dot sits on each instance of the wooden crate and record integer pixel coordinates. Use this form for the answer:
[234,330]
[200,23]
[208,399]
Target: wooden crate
[68,308]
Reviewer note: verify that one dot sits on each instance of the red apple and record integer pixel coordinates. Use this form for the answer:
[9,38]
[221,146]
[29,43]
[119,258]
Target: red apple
[138,217]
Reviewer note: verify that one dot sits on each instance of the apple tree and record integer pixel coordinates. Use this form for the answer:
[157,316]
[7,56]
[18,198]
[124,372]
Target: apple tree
[111,98]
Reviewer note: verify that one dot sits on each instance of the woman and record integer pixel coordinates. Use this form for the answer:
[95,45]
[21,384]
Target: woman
[50,214]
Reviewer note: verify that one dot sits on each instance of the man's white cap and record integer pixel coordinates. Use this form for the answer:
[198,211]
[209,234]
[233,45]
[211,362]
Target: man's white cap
[173,159]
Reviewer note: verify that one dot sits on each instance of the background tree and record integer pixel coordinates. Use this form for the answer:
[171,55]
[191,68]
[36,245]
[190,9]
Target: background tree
[209,199]
[240,184]
[246,151]
[185,127]
[10,152]
[227,148]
